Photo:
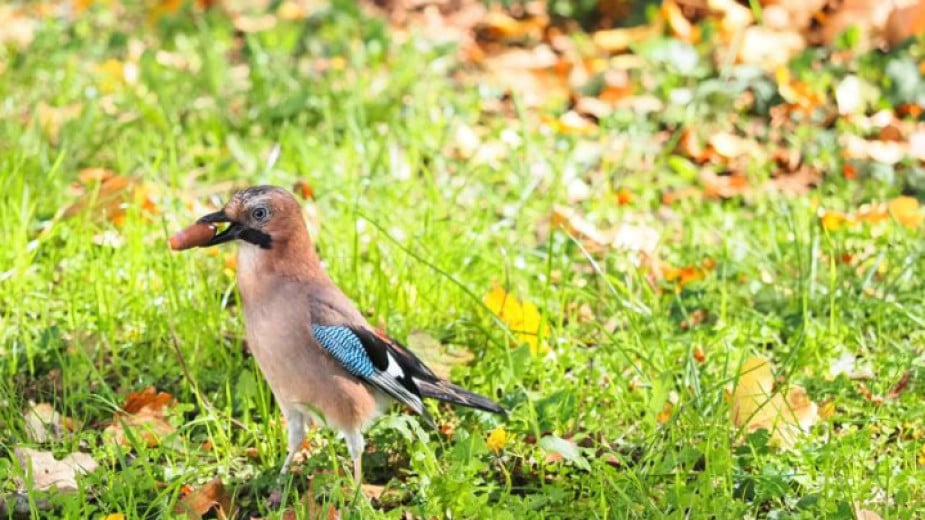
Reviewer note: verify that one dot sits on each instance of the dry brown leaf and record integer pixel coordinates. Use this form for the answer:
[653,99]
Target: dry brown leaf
[145,413]
[373,491]
[724,186]
[43,423]
[900,385]
[531,74]
[43,471]
[203,500]
[756,405]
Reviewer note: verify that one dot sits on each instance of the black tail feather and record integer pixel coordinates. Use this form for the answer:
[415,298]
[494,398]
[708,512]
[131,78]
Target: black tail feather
[450,393]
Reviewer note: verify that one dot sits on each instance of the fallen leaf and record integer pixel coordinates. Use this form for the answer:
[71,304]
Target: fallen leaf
[900,385]
[43,471]
[522,317]
[620,40]
[730,146]
[906,211]
[436,355]
[203,500]
[145,413]
[89,176]
[372,491]
[43,423]
[575,224]
[724,186]
[905,21]
[498,25]
[111,199]
[865,514]
[756,405]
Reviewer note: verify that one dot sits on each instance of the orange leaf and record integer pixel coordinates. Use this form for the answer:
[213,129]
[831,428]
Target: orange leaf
[145,413]
[304,189]
[210,496]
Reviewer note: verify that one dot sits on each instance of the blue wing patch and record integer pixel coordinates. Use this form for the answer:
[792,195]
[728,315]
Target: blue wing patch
[346,347]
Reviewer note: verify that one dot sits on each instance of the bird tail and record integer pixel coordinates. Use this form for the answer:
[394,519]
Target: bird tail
[450,393]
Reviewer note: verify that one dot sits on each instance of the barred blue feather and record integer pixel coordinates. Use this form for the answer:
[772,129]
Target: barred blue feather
[346,347]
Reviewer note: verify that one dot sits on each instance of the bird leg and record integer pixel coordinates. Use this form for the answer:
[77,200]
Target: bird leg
[358,470]
[295,423]
[355,445]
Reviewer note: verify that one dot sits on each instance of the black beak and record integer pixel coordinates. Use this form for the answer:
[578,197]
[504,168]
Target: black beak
[228,234]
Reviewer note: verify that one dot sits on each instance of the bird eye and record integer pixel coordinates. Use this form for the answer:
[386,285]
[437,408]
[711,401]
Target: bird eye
[260,213]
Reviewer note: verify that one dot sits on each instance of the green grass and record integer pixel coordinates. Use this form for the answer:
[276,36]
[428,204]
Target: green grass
[416,236]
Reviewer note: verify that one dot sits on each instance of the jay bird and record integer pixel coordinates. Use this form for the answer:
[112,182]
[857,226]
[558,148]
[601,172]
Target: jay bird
[319,355]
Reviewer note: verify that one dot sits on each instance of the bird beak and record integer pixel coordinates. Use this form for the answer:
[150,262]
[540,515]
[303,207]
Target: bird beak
[228,234]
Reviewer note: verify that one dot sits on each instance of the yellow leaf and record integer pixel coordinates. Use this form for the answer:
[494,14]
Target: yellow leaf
[756,406]
[834,220]
[522,317]
[906,211]
[114,516]
[497,439]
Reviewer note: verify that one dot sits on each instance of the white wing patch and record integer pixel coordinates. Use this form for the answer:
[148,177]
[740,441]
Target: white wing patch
[393,368]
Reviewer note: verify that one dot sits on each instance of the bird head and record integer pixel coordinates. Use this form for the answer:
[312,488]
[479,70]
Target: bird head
[259,215]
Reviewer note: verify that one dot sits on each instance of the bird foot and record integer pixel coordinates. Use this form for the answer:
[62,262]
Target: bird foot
[275,500]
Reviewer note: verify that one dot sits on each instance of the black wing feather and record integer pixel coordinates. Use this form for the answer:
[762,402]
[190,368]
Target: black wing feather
[421,380]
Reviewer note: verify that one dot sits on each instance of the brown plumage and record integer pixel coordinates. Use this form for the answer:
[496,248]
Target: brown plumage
[319,355]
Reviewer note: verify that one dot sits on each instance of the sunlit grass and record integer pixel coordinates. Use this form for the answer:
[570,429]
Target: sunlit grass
[91,311]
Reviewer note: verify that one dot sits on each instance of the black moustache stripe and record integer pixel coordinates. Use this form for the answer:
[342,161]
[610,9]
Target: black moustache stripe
[256,237]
